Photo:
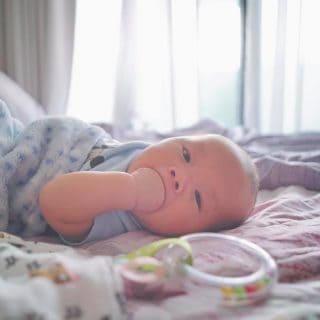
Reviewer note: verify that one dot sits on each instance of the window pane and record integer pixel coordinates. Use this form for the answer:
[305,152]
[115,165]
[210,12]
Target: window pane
[189,63]
[310,66]
[220,45]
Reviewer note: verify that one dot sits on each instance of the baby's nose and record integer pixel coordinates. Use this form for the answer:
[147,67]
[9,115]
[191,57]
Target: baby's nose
[179,178]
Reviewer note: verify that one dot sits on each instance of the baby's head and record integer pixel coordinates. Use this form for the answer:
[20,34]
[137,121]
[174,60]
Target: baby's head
[210,184]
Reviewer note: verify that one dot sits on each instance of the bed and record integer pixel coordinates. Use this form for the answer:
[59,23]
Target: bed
[42,279]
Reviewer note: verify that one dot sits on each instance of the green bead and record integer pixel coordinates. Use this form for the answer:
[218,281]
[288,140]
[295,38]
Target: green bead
[240,292]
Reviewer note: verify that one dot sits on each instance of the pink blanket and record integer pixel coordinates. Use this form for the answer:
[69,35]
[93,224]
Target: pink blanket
[286,223]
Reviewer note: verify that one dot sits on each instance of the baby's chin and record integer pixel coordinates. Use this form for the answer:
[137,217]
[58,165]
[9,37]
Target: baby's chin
[167,230]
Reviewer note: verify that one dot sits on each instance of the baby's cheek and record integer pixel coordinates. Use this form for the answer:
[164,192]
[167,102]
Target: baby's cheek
[187,219]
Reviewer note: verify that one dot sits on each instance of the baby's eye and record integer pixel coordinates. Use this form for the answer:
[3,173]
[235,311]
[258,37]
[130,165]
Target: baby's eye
[197,197]
[186,154]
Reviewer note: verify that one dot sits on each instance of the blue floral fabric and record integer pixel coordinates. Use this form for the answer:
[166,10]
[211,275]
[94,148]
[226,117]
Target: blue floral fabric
[32,155]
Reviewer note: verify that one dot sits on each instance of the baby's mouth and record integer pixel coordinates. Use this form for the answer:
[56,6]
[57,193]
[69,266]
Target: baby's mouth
[150,194]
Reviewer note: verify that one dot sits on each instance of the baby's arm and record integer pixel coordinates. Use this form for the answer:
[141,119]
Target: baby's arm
[70,202]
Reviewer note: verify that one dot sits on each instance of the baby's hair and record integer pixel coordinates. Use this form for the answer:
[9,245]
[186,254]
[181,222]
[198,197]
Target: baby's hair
[253,184]
[254,188]
[253,176]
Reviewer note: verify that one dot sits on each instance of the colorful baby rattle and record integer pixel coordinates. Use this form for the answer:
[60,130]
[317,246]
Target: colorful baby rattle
[144,275]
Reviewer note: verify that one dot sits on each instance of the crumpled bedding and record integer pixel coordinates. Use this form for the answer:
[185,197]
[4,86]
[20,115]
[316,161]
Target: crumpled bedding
[284,160]
[288,227]
[285,222]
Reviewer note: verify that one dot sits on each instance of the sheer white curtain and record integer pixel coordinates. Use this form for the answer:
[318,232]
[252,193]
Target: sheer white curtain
[130,44]
[283,66]
[157,64]
[36,43]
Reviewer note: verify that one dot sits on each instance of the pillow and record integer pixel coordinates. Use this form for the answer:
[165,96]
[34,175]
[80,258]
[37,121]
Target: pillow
[21,105]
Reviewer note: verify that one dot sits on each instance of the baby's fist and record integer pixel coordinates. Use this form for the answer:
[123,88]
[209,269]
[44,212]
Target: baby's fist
[150,191]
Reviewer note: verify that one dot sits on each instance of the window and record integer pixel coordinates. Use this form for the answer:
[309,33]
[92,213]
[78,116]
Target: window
[171,63]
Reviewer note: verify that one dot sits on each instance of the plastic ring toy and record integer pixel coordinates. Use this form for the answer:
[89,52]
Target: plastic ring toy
[236,290]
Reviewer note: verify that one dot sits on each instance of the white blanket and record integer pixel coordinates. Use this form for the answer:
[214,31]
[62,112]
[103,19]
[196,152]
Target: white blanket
[43,281]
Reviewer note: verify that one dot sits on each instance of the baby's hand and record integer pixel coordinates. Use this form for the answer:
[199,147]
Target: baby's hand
[150,191]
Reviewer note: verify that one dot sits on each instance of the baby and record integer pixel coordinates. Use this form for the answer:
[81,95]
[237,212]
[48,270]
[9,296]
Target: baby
[72,176]
[177,186]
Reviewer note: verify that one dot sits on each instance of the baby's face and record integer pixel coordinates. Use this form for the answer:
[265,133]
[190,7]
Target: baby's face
[205,181]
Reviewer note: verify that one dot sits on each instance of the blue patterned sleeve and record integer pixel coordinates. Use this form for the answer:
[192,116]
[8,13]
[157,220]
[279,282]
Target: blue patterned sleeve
[10,128]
